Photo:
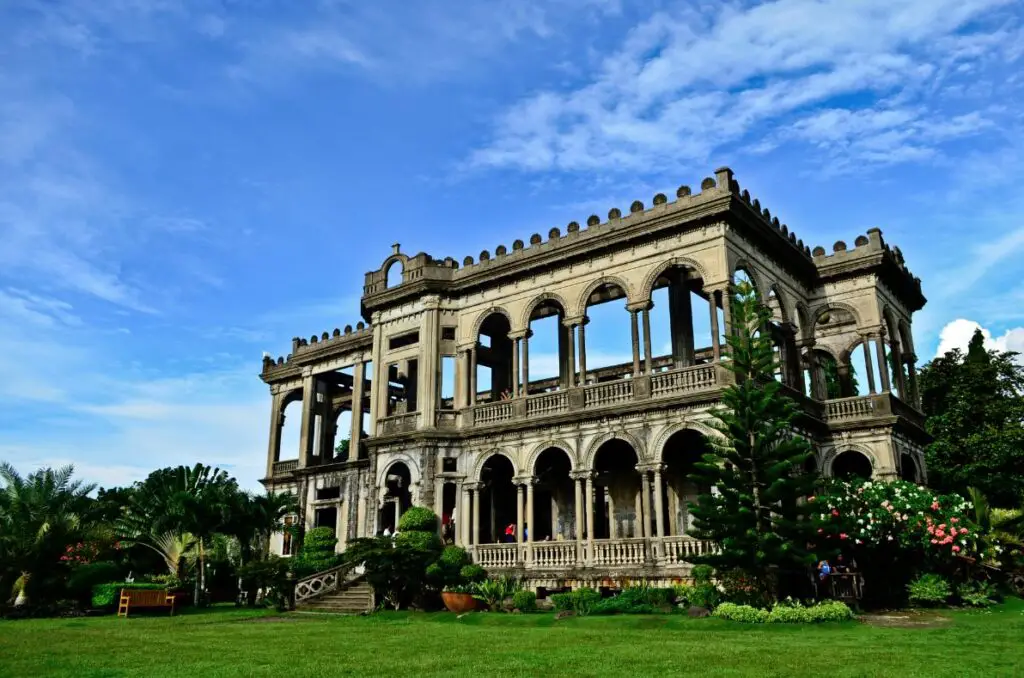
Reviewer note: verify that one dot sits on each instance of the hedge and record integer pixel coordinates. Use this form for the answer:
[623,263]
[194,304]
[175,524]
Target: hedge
[106,595]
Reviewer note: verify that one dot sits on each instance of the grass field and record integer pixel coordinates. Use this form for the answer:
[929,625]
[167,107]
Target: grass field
[229,642]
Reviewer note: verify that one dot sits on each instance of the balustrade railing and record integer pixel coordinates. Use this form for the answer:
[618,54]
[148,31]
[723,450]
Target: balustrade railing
[547,403]
[842,409]
[554,554]
[399,423]
[619,552]
[287,466]
[491,413]
[322,582]
[681,549]
[447,420]
[683,380]
[600,395]
[496,555]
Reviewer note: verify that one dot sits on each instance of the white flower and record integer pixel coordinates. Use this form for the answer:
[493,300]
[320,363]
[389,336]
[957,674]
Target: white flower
[860,521]
[889,538]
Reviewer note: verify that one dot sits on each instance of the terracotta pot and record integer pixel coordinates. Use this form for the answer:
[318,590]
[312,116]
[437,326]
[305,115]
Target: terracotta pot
[458,602]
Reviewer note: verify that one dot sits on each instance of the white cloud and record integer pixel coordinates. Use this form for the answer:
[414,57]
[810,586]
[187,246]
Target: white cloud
[958,333]
[687,82]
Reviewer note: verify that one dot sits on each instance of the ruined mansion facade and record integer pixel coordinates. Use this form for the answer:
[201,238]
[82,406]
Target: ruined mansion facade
[579,472]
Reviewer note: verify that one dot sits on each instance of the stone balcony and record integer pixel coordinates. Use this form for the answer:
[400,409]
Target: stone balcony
[668,553]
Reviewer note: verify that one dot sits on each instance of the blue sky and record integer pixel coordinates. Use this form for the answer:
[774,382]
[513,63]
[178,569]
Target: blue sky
[184,185]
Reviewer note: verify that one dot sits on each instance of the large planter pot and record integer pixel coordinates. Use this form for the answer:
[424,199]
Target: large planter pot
[458,602]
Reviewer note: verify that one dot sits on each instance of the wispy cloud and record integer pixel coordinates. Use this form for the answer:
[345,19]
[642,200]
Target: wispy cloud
[688,82]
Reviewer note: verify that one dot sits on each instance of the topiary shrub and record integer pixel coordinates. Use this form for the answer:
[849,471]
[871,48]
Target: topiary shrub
[454,557]
[473,573]
[106,595]
[316,553]
[581,601]
[427,542]
[524,601]
[929,590]
[417,519]
[84,577]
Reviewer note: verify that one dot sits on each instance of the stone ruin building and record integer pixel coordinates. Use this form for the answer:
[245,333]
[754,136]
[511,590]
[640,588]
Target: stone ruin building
[590,465]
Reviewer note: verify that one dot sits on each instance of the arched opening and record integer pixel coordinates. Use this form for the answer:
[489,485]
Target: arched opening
[397,496]
[608,343]
[680,320]
[682,450]
[851,465]
[546,362]
[908,468]
[291,427]
[554,503]
[617,513]
[394,273]
[494,358]
[497,498]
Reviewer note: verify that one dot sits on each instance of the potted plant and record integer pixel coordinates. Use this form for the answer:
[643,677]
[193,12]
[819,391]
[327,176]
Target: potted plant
[459,598]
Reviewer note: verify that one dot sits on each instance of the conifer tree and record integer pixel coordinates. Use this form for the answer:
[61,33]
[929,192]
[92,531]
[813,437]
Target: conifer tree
[756,468]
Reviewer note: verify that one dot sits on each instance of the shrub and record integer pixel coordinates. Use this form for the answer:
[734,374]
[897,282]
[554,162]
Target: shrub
[106,595]
[473,573]
[417,519]
[494,591]
[396,570]
[702,574]
[740,588]
[636,600]
[524,601]
[316,553]
[705,595]
[454,557]
[741,613]
[270,575]
[978,594]
[785,613]
[682,593]
[929,590]
[581,601]
[84,577]
[427,542]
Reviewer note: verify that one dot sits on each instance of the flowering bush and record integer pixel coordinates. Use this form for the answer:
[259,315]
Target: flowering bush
[894,514]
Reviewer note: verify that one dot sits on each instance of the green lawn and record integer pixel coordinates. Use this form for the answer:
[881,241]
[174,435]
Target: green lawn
[228,642]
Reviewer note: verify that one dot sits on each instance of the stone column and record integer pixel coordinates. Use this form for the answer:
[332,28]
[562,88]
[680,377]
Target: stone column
[515,367]
[583,352]
[912,374]
[648,364]
[659,502]
[276,424]
[716,341]
[475,497]
[462,514]
[570,379]
[526,363]
[308,405]
[635,331]
[520,491]
[356,437]
[590,517]
[472,375]
[868,367]
[727,310]
[530,526]
[883,364]
[578,488]
[645,504]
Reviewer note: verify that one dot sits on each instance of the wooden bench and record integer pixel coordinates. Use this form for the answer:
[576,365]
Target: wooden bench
[144,598]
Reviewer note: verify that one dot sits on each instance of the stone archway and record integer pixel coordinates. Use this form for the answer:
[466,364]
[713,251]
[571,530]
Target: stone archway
[851,465]
[497,497]
[617,507]
[554,508]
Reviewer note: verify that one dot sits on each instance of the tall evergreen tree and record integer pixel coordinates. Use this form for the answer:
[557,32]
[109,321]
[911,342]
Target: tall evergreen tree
[974,402]
[756,470]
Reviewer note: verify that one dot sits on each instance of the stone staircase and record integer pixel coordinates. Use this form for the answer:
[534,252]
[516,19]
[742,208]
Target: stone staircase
[354,598]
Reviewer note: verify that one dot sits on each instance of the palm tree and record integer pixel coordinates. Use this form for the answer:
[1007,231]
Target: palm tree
[41,515]
[255,518]
[997,526]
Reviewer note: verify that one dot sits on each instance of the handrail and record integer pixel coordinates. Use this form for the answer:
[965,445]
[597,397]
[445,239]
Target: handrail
[324,582]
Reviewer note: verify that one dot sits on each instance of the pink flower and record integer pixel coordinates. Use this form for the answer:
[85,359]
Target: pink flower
[935,506]
[942,526]
[935,541]
[834,512]
[954,520]
[956,549]
[842,535]
[820,530]
[811,498]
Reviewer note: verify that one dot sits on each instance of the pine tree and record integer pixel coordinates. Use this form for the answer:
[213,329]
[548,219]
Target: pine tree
[756,469]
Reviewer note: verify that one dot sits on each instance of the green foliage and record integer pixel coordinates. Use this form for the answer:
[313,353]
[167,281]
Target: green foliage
[84,577]
[974,402]
[524,601]
[106,595]
[637,600]
[785,613]
[397,569]
[978,594]
[582,601]
[446,573]
[41,515]
[418,519]
[316,553]
[493,591]
[454,557]
[930,590]
[702,574]
[756,517]
[739,588]
[705,595]
[473,573]
[424,541]
[270,575]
